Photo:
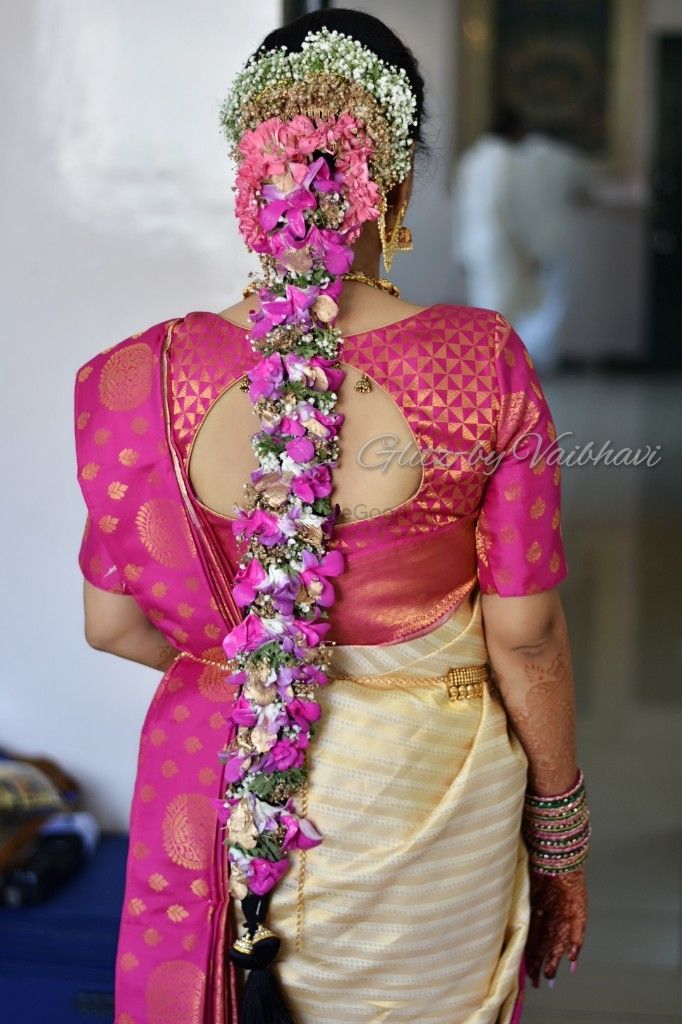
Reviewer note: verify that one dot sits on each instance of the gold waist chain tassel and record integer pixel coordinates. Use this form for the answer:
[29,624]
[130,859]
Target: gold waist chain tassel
[301,864]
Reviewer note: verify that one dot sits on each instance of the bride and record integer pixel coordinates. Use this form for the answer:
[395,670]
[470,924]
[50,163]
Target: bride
[357,795]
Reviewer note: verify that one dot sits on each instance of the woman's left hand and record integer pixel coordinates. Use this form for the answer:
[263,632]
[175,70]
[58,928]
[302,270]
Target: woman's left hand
[558,905]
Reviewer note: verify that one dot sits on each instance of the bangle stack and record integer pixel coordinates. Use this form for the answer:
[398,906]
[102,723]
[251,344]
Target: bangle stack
[557,829]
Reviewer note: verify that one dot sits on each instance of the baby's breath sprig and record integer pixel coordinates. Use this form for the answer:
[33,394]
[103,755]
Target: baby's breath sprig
[327,53]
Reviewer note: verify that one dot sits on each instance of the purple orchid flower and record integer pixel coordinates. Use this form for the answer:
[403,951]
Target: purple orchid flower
[316,482]
[289,208]
[283,596]
[334,377]
[293,308]
[259,523]
[266,377]
[316,572]
[247,635]
[236,768]
[292,427]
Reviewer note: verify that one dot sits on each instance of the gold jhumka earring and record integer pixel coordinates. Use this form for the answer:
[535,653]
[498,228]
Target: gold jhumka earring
[400,239]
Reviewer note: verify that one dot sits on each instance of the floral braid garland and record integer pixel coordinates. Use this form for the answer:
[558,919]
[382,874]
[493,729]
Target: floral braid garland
[303,193]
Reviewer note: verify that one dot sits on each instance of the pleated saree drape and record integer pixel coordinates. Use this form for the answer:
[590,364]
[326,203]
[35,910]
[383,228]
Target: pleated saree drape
[415,907]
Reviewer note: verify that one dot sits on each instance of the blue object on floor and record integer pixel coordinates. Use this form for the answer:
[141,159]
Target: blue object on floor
[57,959]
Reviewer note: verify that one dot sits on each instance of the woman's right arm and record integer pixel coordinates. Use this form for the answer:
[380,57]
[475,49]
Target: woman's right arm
[528,645]
[115,623]
[529,651]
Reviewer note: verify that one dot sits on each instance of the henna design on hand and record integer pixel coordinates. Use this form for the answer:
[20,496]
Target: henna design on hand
[558,921]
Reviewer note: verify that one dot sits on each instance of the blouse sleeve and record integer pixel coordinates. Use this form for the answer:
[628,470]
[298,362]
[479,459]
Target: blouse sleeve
[519,543]
[96,563]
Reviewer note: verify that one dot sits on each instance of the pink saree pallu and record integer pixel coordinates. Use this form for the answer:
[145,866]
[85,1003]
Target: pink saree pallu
[147,536]
[144,533]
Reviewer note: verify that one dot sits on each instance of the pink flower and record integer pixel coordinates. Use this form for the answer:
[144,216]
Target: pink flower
[236,768]
[303,712]
[242,713]
[286,211]
[291,426]
[295,306]
[301,834]
[334,377]
[269,145]
[223,811]
[248,582]
[321,177]
[265,874]
[296,366]
[313,674]
[332,421]
[248,635]
[300,450]
[307,634]
[338,258]
[283,596]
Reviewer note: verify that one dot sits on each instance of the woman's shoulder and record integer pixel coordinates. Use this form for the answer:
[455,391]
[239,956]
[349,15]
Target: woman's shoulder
[467,327]
[473,318]
[134,352]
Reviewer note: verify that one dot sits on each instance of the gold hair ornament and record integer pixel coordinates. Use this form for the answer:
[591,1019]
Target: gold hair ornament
[399,239]
[332,73]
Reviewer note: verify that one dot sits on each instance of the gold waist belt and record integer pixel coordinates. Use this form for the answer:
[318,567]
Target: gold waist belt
[462,682]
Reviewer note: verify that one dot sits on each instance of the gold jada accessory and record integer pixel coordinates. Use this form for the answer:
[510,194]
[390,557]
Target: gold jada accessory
[363,385]
[400,238]
[331,73]
[374,282]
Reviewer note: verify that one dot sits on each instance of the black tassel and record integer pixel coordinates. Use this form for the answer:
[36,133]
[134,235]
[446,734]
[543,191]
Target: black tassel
[262,1001]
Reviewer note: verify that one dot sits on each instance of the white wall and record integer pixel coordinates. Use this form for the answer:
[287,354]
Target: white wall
[116,214]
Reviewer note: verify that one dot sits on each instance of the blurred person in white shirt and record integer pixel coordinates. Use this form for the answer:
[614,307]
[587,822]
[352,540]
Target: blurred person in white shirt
[512,200]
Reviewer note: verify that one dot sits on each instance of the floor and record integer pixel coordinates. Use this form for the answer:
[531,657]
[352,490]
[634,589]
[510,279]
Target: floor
[621,526]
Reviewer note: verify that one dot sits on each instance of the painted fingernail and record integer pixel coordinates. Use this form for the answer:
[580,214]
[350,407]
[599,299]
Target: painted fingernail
[574,966]
[550,982]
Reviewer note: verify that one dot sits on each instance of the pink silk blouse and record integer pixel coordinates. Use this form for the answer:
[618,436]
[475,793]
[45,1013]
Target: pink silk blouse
[488,510]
